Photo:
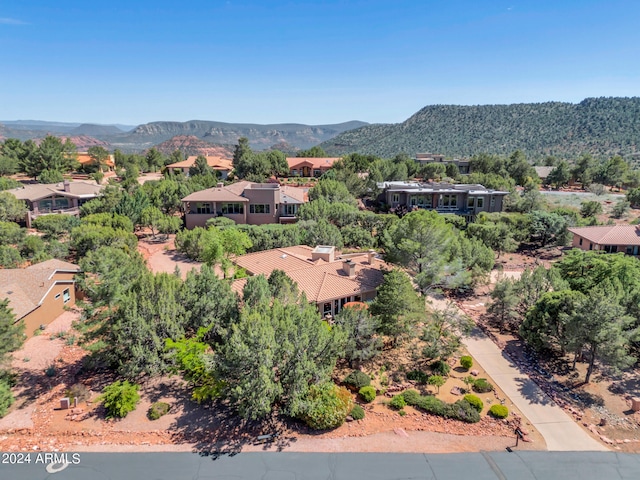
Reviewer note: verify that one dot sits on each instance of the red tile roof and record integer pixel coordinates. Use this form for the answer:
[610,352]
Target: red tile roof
[217,163]
[609,234]
[312,162]
[320,280]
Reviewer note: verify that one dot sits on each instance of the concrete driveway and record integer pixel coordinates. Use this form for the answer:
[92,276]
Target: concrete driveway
[559,430]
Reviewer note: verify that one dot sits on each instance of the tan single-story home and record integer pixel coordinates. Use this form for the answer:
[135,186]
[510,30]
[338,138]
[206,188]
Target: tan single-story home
[85,159]
[310,166]
[65,197]
[610,238]
[244,203]
[39,294]
[327,278]
[221,165]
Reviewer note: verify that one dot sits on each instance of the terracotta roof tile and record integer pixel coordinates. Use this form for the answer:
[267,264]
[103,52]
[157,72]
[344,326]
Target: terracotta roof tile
[321,281]
[313,162]
[217,163]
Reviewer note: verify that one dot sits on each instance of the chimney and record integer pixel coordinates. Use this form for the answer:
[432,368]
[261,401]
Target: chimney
[349,268]
[67,186]
[323,252]
[371,255]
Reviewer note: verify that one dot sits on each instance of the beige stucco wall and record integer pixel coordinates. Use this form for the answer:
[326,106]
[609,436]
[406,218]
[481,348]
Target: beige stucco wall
[50,309]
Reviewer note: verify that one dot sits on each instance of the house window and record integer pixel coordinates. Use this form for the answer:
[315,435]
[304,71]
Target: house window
[317,173]
[480,202]
[203,208]
[580,242]
[610,248]
[260,208]
[449,200]
[395,198]
[590,246]
[470,202]
[232,208]
[289,210]
[66,295]
[326,309]
[57,296]
[493,202]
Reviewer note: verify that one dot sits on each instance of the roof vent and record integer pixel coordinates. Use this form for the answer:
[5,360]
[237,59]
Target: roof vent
[323,252]
[284,255]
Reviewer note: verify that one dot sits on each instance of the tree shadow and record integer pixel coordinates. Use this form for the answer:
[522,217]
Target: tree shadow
[532,392]
[214,429]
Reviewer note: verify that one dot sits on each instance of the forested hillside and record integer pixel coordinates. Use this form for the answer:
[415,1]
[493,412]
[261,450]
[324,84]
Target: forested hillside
[600,126]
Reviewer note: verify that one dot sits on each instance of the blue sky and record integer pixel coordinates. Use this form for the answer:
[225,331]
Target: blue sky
[314,62]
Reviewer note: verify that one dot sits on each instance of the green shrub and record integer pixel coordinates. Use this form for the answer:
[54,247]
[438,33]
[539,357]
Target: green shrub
[51,371]
[357,412]
[481,385]
[368,393]
[499,411]
[120,398]
[157,410]
[464,411]
[475,402]
[418,376]
[411,397]
[357,380]
[402,413]
[440,367]
[326,406]
[466,362]
[6,398]
[397,402]
[431,404]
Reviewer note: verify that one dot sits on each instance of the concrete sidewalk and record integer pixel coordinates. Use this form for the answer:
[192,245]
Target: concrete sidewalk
[559,430]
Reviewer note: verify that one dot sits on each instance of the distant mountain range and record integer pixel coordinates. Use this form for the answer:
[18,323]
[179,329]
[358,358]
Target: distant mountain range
[600,126]
[142,137]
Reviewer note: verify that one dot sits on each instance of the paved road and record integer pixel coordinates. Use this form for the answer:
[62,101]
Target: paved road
[340,466]
[559,430]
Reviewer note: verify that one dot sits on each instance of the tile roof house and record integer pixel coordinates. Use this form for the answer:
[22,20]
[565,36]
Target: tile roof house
[310,166]
[39,294]
[610,238]
[463,199]
[85,159]
[327,278]
[221,165]
[245,203]
[66,197]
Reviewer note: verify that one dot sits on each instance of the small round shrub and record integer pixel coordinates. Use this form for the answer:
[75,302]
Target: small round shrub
[326,406]
[397,402]
[475,402]
[158,409]
[418,376]
[463,411]
[357,380]
[6,398]
[411,397]
[402,413]
[440,367]
[466,362]
[120,398]
[499,411]
[481,385]
[357,412]
[368,393]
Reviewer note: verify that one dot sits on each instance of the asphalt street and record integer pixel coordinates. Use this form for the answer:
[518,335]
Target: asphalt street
[526,465]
